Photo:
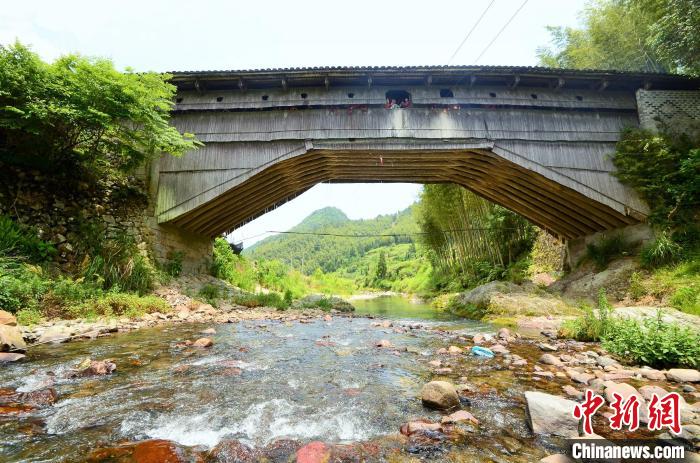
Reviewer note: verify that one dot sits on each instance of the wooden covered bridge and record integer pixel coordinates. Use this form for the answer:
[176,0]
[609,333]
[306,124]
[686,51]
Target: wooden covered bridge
[535,140]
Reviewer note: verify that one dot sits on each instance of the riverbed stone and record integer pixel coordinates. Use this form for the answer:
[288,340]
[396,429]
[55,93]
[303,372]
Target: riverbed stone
[11,339]
[203,342]
[440,395]
[314,452]
[55,334]
[90,367]
[458,417]
[683,375]
[231,451]
[385,343]
[623,389]
[454,350]
[605,361]
[550,414]
[557,458]
[6,318]
[6,357]
[549,359]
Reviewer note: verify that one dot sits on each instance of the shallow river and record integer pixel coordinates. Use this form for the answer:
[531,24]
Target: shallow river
[261,381]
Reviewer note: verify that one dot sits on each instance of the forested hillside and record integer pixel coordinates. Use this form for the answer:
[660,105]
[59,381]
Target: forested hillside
[329,241]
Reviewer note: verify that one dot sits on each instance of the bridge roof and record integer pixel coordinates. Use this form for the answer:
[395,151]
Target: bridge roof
[526,76]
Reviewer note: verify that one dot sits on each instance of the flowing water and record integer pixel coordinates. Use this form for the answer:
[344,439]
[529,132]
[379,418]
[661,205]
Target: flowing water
[260,381]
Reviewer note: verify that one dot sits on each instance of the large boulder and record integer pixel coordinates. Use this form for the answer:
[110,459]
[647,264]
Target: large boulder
[551,415]
[440,394]
[11,339]
[319,301]
[6,318]
[683,375]
[505,300]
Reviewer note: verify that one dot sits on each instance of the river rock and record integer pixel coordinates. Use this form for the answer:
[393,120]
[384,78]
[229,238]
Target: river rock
[547,347]
[583,378]
[55,334]
[148,451]
[557,458]
[549,359]
[6,318]
[11,339]
[504,333]
[41,398]
[208,331]
[499,349]
[231,451]
[625,390]
[419,425]
[90,367]
[314,452]
[384,343]
[683,375]
[203,342]
[572,391]
[652,375]
[459,416]
[10,357]
[605,361]
[439,394]
[550,414]
[454,350]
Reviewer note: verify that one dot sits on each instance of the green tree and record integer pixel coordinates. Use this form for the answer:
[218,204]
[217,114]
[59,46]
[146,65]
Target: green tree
[80,112]
[381,266]
[632,35]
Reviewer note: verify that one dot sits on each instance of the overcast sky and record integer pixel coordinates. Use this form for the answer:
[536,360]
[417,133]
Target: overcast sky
[175,35]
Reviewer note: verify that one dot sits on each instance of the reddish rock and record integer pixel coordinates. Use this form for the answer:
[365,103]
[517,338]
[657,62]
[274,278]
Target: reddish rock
[203,342]
[460,416]
[231,451]
[327,318]
[352,391]
[415,426]
[93,368]
[383,343]
[42,398]
[148,451]
[314,452]
[323,343]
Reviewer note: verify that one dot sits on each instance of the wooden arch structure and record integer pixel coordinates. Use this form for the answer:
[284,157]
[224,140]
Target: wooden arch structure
[534,140]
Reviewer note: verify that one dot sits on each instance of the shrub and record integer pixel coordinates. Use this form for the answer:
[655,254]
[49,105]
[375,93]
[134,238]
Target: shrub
[662,251]
[261,300]
[29,317]
[210,293]
[606,249]
[115,263]
[231,267]
[119,305]
[590,326]
[654,342]
[17,240]
[637,289]
[174,266]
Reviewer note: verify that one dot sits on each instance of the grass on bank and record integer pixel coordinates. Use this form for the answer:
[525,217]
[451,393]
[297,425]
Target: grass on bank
[651,341]
[111,282]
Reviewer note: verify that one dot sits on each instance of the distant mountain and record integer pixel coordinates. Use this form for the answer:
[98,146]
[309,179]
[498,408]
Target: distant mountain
[329,253]
[326,217]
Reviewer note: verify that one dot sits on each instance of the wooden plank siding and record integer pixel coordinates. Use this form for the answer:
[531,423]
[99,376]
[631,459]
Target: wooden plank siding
[540,149]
